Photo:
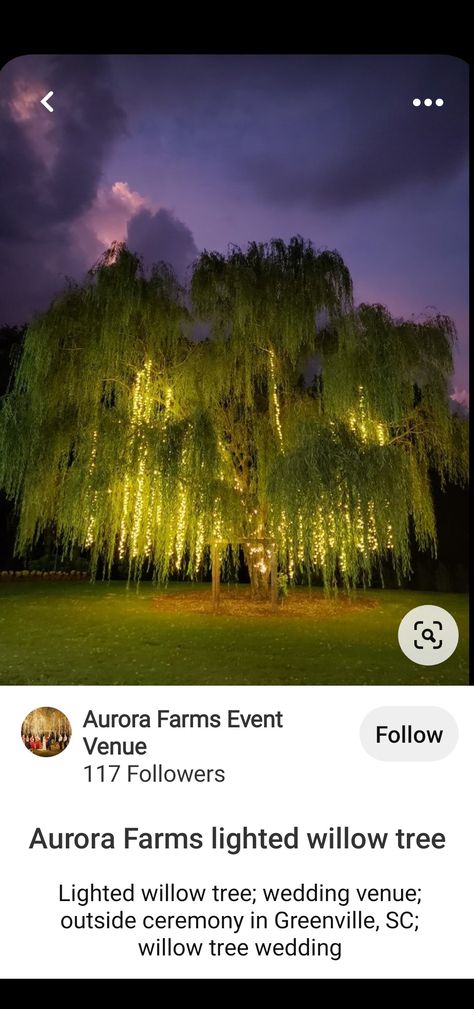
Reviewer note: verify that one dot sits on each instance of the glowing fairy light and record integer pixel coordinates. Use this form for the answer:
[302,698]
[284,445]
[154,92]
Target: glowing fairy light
[276,401]
[381,434]
[217,524]
[390,542]
[141,401]
[141,414]
[180,529]
[123,521]
[359,528]
[282,529]
[331,527]
[94,451]
[199,547]
[348,534]
[372,528]
[291,568]
[138,505]
[180,526]
[92,517]
[258,557]
[300,546]
[218,382]
[142,405]
[363,414]
[363,425]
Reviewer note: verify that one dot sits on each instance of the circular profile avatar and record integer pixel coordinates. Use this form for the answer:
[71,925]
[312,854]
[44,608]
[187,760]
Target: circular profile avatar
[46,732]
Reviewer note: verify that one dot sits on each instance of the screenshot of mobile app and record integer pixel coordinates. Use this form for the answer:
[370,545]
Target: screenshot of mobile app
[234,414]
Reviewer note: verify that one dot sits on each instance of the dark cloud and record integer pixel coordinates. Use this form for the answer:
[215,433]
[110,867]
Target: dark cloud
[161,237]
[50,168]
[242,147]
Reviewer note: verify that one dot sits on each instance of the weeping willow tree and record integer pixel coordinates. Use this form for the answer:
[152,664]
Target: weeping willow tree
[136,442]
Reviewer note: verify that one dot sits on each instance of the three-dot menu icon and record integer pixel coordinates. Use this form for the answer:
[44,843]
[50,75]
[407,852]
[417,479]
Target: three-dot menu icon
[428,101]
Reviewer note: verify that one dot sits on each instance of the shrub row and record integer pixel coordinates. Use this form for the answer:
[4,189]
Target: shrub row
[52,575]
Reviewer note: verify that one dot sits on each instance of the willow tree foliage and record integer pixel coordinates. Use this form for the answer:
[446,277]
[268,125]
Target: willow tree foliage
[300,429]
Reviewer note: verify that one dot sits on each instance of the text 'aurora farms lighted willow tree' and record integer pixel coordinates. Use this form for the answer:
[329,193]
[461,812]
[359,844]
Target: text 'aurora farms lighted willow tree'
[132,439]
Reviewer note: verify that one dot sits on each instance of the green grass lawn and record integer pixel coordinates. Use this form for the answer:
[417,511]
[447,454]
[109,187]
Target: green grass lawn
[78,633]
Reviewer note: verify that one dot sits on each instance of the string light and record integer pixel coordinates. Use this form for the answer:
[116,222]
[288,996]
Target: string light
[360,423]
[199,549]
[331,530]
[138,504]
[141,414]
[372,529]
[359,528]
[300,548]
[216,521]
[181,514]
[291,568]
[91,524]
[276,402]
[123,521]
[319,549]
[343,560]
[329,492]
[363,414]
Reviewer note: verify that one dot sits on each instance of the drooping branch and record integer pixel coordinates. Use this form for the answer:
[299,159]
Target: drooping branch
[138,443]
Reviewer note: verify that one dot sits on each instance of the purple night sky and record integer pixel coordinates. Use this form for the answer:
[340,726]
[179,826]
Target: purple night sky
[180,153]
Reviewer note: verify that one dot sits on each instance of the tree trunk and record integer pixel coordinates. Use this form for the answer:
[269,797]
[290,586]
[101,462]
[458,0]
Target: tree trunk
[259,583]
[258,564]
[274,578]
[216,577]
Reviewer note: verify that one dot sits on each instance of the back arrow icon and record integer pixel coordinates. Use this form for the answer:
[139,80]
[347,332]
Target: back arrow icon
[44,101]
